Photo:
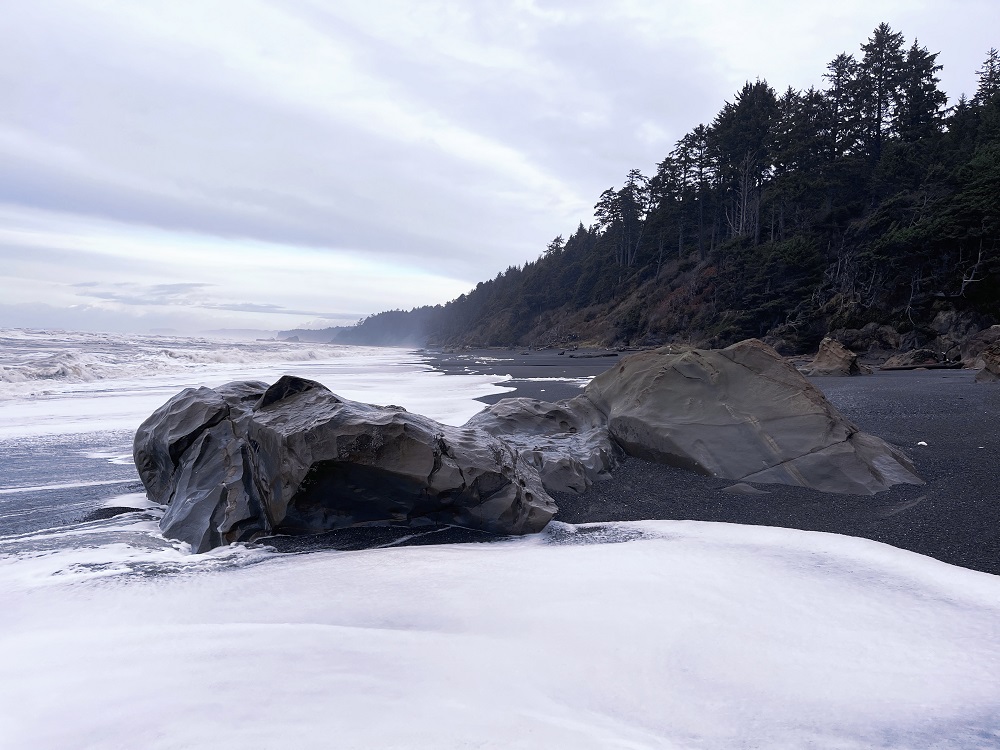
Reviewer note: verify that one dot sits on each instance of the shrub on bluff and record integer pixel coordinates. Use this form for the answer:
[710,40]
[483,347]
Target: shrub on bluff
[246,460]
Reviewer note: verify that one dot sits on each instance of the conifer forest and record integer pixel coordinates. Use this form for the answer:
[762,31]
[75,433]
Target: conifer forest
[864,199]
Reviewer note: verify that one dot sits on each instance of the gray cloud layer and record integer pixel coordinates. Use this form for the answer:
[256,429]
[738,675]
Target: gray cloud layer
[448,137]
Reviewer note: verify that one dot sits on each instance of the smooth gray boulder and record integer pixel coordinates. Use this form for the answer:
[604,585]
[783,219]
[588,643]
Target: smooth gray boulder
[246,460]
[741,413]
[567,442]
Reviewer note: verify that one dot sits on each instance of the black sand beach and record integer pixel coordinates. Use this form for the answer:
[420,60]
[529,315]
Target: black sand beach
[954,517]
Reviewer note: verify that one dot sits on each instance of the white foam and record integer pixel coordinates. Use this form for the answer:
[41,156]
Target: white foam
[580,382]
[58,486]
[693,635]
[119,459]
[33,360]
[137,500]
[126,391]
[663,635]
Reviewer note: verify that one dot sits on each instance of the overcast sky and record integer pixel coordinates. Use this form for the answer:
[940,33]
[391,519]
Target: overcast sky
[276,163]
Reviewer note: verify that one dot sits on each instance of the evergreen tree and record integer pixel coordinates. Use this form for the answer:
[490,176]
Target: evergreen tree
[878,86]
[921,102]
[841,94]
[622,214]
[862,202]
[804,137]
[743,139]
[989,78]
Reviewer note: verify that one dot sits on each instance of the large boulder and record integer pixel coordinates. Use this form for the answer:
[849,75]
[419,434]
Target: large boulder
[246,460]
[912,359]
[568,442]
[741,413]
[990,356]
[835,360]
[972,352]
[872,338]
[954,329]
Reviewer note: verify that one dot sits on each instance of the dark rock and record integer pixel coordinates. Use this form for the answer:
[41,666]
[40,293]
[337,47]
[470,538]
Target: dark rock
[950,321]
[368,537]
[247,461]
[568,442]
[741,413]
[780,345]
[990,373]
[911,359]
[168,433]
[102,514]
[953,328]
[873,338]
[914,339]
[244,461]
[286,387]
[976,344]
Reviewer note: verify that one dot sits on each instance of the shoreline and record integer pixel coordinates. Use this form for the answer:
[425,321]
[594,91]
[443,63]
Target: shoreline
[542,374]
[954,517]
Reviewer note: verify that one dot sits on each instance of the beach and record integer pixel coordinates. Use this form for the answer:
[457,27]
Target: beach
[597,632]
[954,517]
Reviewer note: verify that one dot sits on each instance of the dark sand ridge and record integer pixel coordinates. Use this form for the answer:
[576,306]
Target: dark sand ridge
[955,517]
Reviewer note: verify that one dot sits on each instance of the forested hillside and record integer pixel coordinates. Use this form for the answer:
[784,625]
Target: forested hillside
[861,200]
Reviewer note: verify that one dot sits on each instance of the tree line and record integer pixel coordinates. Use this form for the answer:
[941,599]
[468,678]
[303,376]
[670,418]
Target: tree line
[862,199]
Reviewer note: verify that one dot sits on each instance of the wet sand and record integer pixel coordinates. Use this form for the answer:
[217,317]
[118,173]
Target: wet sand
[954,517]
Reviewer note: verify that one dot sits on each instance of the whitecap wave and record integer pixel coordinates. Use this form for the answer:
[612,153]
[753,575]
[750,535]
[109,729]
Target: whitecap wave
[43,357]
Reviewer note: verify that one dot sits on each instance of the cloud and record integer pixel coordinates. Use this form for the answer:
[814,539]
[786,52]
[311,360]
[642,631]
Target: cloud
[145,276]
[397,152]
[125,293]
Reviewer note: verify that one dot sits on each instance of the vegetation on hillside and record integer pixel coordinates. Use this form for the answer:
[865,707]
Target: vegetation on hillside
[863,200]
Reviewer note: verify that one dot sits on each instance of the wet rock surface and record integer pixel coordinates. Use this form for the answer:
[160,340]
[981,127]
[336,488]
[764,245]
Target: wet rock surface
[245,461]
[568,442]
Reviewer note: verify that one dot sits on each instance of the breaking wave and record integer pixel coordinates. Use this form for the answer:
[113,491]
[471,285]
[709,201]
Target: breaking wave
[59,357]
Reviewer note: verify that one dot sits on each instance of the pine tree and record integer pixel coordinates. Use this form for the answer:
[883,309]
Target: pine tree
[989,79]
[921,102]
[622,213]
[743,141]
[879,84]
[841,93]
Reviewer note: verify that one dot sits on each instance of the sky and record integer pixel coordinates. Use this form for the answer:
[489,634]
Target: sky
[269,164]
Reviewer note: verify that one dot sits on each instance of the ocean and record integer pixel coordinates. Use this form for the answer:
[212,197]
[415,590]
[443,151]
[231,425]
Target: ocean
[657,634]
